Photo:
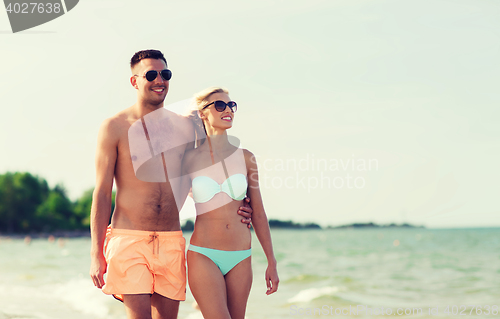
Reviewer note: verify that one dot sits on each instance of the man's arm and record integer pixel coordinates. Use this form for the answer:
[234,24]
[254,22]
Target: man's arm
[106,155]
[246,212]
[185,182]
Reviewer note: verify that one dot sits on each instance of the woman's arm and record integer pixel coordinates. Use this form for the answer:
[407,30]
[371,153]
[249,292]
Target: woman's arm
[260,223]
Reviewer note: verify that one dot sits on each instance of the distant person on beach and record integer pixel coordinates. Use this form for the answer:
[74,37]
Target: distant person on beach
[221,174]
[144,256]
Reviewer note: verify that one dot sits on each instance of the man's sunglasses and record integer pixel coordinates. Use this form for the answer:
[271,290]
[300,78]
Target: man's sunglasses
[220,106]
[151,75]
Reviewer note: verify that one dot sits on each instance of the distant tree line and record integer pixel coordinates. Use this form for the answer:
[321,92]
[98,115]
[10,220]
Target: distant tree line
[275,223]
[373,225]
[28,204]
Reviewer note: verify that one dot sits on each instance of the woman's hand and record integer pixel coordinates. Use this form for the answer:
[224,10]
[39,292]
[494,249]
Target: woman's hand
[272,279]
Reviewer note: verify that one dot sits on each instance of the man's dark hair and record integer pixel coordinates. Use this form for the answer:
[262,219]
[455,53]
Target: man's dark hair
[146,54]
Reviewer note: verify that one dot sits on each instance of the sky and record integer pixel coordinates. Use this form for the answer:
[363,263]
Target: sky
[357,111]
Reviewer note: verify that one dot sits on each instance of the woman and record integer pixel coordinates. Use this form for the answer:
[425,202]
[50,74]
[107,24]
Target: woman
[219,267]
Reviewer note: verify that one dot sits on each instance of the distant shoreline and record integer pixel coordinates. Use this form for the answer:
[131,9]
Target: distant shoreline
[55,234]
[373,225]
[189,226]
[274,223]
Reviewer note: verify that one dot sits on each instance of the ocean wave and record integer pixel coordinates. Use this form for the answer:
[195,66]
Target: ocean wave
[83,296]
[310,294]
[76,298]
[305,278]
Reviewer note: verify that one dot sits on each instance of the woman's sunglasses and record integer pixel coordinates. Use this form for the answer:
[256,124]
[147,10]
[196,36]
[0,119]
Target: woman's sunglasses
[220,106]
[151,75]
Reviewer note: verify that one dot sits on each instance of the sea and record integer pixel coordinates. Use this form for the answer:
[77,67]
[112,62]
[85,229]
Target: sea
[363,273]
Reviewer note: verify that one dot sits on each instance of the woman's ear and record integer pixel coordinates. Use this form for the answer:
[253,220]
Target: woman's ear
[201,115]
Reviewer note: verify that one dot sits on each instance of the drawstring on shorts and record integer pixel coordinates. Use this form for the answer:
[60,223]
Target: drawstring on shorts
[156,243]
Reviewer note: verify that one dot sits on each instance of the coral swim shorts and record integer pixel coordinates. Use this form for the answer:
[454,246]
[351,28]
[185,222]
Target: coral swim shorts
[145,262]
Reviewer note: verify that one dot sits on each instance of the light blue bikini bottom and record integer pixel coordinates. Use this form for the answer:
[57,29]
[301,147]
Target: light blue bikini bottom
[223,259]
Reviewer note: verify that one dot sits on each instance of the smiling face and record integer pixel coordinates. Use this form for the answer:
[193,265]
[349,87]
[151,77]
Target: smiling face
[216,121]
[154,92]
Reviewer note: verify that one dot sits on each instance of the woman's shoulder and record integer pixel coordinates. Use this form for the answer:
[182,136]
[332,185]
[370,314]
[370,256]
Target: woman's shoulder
[247,153]
[249,157]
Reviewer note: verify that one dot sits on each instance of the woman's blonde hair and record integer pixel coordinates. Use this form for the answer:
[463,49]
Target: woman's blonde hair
[200,100]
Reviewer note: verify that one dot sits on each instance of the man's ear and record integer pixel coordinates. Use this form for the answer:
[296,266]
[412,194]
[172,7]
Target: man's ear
[133,81]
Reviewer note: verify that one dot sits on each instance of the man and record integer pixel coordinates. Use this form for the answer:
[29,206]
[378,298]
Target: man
[144,261]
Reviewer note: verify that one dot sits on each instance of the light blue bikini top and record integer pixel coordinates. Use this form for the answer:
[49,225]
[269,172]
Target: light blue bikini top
[205,188]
